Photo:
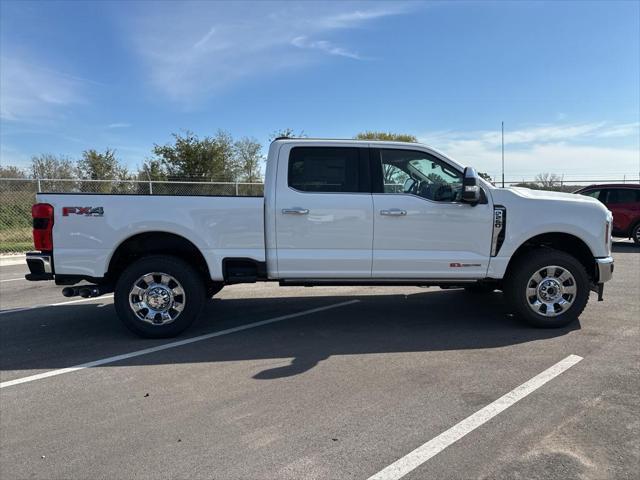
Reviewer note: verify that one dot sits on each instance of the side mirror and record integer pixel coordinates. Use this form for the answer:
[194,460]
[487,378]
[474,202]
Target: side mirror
[470,187]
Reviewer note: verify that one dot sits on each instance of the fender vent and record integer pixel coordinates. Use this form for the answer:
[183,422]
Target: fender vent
[499,228]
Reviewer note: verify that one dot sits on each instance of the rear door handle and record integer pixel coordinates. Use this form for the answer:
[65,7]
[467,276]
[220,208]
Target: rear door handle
[295,211]
[394,212]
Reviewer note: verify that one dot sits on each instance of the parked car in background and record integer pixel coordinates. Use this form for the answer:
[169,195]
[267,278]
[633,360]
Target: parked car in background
[623,199]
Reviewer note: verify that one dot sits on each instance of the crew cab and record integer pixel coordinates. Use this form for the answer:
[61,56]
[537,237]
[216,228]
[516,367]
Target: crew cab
[334,212]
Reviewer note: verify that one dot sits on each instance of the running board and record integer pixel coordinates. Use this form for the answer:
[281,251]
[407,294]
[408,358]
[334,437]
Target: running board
[367,282]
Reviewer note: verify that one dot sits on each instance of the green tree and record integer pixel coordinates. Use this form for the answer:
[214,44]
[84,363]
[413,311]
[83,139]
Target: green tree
[436,179]
[248,154]
[392,175]
[189,157]
[152,170]
[388,136]
[96,165]
[47,165]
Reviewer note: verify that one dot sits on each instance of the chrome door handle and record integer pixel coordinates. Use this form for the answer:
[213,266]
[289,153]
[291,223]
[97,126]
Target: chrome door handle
[295,211]
[394,212]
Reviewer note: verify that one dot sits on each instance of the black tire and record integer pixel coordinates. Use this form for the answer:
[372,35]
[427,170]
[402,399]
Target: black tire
[189,279]
[214,288]
[635,234]
[518,278]
[480,288]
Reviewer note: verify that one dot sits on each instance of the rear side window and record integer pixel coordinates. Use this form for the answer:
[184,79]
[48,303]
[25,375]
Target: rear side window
[324,169]
[622,195]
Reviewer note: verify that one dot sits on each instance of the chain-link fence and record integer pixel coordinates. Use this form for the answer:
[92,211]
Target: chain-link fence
[17,196]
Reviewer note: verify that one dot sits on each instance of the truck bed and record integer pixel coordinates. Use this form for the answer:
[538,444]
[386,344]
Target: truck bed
[84,240]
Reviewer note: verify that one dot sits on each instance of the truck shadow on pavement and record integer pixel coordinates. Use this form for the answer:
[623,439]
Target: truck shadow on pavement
[423,322]
[433,320]
[624,247]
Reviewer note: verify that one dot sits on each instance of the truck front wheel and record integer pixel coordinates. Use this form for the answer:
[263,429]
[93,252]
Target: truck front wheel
[159,296]
[547,288]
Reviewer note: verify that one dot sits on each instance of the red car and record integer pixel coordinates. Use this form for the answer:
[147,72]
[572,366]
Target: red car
[623,199]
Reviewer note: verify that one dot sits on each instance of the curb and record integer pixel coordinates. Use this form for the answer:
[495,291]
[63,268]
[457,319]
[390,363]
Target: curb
[7,260]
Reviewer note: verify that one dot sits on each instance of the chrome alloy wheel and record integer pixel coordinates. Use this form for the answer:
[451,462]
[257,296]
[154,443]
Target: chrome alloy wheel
[551,291]
[157,298]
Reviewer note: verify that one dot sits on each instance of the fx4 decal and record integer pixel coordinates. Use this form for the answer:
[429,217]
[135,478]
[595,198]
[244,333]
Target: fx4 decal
[461,265]
[86,211]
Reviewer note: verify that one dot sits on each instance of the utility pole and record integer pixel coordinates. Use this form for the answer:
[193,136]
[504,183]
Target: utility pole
[503,154]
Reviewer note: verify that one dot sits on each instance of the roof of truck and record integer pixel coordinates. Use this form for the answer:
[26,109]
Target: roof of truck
[435,151]
[346,140]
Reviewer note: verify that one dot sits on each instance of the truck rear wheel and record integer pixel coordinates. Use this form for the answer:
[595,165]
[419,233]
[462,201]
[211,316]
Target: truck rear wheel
[159,296]
[547,288]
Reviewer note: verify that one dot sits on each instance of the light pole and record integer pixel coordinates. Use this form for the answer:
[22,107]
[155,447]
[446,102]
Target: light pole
[503,154]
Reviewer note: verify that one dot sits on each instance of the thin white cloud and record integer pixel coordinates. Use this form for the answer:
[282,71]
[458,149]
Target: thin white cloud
[324,46]
[203,41]
[622,130]
[33,92]
[118,125]
[354,18]
[576,150]
[193,51]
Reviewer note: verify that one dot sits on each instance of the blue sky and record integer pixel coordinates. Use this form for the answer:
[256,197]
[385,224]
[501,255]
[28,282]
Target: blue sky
[564,77]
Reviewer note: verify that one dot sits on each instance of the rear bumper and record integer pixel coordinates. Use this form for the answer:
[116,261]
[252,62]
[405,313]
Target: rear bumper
[40,266]
[604,269]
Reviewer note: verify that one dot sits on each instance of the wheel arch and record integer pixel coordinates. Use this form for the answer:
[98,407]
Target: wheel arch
[156,243]
[561,241]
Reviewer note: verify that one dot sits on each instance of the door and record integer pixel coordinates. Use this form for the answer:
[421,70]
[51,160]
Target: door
[422,229]
[624,203]
[324,212]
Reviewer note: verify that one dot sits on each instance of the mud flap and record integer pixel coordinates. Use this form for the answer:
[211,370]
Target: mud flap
[599,289]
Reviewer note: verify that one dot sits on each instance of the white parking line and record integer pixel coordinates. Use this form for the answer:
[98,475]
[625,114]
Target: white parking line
[420,455]
[22,309]
[12,279]
[166,346]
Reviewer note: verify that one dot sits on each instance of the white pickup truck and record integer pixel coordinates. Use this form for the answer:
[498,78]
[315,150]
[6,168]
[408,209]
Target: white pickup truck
[334,212]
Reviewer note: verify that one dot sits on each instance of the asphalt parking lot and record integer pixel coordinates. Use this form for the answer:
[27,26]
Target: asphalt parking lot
[323,383]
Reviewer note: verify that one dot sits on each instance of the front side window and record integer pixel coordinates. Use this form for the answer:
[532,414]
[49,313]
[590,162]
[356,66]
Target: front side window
[418,173]
[324,169]
[592,193]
